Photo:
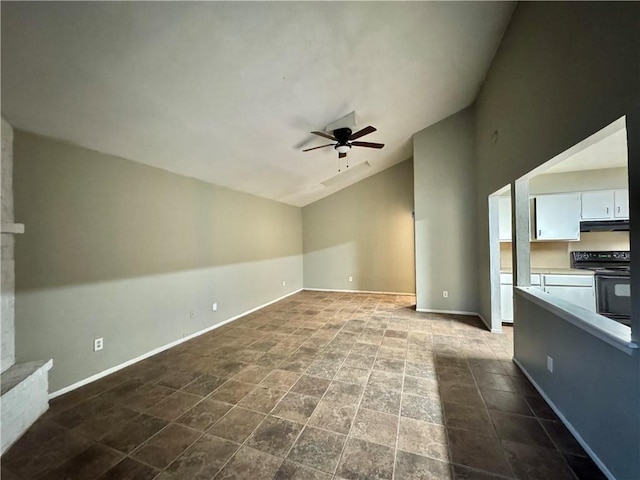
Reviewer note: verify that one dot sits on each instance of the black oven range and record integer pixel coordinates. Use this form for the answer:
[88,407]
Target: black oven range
[613,281]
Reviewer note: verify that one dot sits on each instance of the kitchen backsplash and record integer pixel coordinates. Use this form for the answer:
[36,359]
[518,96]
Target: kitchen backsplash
[601,241]
[556,254]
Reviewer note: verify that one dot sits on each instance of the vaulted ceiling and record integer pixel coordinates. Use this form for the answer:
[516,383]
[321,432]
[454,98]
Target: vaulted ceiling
[227,92]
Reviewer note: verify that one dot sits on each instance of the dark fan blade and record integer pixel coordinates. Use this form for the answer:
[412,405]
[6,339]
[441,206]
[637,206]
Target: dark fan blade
[321,146]
[362,133]
[325,135]
[367,144]
[342,155]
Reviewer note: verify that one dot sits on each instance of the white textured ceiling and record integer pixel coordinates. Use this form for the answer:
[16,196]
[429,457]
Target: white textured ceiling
[228,92]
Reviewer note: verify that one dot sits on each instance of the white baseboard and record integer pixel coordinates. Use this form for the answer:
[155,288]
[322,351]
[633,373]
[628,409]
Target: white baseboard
[567,424]
[155,351]
[356,291]
[492,330]
[461,312]
[452,312]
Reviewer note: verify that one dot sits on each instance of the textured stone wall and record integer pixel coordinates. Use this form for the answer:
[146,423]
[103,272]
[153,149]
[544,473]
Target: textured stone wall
[25,386]
[24,402]
[7,285]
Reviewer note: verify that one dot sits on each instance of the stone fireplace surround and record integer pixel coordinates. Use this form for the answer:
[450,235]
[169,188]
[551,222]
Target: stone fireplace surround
[24,386]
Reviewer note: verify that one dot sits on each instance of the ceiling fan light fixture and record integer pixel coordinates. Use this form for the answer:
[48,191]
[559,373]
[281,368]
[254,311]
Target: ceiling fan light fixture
[342,148]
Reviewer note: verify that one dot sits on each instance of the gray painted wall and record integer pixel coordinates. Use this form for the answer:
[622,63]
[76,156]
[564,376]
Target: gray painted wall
[564,71]
[591,384]
[364,231]
[120,250]
[446,223]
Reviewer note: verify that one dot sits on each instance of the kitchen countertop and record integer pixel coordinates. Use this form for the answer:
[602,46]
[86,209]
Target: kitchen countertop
[554,271]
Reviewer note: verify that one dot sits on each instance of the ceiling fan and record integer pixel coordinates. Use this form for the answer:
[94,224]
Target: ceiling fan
[344,139]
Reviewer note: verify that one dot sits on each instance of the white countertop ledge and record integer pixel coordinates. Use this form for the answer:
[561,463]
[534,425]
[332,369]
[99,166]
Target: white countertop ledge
[610,331]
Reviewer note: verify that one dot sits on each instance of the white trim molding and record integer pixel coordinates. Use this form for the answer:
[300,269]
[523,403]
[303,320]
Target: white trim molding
[567,424]
[155,351]
[452,312]
[491,329]
[374,292]
[461,312]
[14,228]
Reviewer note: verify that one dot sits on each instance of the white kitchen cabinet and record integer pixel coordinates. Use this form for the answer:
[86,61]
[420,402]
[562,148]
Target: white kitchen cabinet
[597,205]
[504,219]
[621,204]
[507,279]
[557,217]
[577,289]
[568,280]
[580,296]
[506,294]
[605,205]
[506,303]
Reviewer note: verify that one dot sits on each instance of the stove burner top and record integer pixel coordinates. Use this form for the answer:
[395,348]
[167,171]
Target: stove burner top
[612,262]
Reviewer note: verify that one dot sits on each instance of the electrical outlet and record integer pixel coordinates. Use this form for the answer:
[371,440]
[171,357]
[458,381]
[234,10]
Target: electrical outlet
[550,364]
[214,307]
[192,314]
[284,284]
[445,293]
[351,279]
[98,344]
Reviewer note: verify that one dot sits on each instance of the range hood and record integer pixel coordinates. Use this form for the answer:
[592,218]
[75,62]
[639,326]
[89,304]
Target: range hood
[605,226]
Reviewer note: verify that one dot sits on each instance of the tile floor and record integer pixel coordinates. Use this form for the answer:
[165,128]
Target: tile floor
[317,386]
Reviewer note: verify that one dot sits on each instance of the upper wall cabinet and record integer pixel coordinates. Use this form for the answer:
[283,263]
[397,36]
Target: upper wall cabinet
[621,204]
[557,217]
[504,218]
[605,205]
[597,205]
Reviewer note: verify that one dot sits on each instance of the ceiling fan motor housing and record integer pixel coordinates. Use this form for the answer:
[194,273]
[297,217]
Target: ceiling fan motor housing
[342,135]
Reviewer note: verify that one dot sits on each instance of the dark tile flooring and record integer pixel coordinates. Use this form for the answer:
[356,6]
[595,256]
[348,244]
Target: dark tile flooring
[317,386]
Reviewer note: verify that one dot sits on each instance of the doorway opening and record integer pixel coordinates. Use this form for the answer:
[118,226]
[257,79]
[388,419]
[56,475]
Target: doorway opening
[573,223]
